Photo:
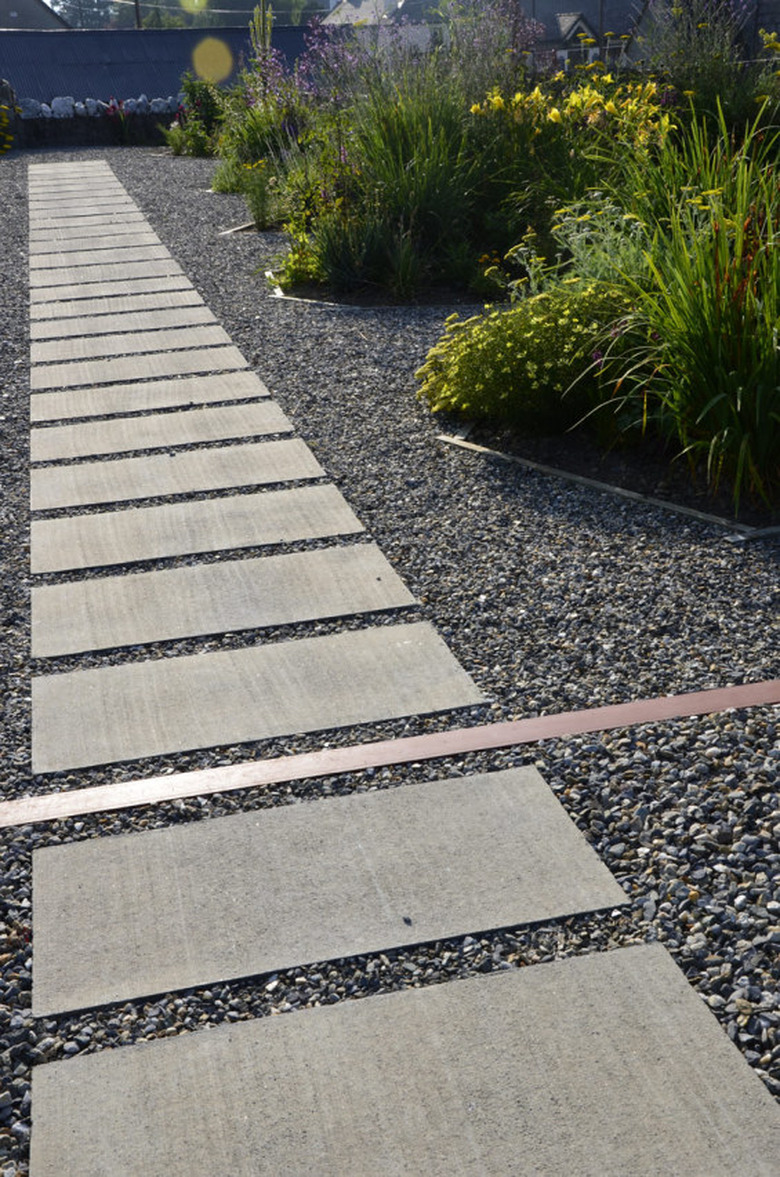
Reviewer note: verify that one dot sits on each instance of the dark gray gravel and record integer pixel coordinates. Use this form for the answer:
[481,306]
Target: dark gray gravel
[552,596]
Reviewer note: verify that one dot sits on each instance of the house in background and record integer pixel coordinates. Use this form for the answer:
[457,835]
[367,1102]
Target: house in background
[562,33]
[29,14]
[594,18]
[609,24]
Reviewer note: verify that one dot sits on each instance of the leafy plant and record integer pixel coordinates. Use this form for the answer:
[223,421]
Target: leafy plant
[534,366]
[228,176]
[195,127]
[696,47]
[6,138]
[258,185]
[541,147]
[707,373]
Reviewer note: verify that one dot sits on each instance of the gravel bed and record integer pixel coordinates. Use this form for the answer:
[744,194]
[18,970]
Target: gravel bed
[551,595]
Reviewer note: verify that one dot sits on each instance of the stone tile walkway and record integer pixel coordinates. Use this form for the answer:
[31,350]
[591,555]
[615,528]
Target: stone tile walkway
[189,427]
[606,1064]
[600,1066]
[152,394]
[230,595]
[56,487]
[118,918]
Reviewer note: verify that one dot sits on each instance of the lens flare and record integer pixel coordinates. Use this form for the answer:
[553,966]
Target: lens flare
[212,60]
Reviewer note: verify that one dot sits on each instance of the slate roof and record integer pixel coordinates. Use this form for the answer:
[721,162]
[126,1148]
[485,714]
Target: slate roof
[601,16]
[29,14]
[120,63]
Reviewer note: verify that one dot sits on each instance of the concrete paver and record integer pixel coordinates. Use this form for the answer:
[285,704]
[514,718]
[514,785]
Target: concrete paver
[84,224]
[56,205]
[133,343]
[126,479]
[118,286]
[228,596]
[88,168]
[51,443]
[116,304]
[39,187]
[121,918]
[117,272]
[47,196]
[102,236]
[135,251]
[143,367]
[51,210]
[600,1066]
[141,709]
[96,243]
[176,529]
[150,320]
[151,394]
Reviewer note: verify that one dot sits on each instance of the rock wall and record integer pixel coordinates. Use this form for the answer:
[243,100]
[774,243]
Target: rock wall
[66,122]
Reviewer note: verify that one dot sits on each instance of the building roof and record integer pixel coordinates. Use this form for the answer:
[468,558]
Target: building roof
[119,63]
[571,23]
[598,16]
[359,12]
[29,14]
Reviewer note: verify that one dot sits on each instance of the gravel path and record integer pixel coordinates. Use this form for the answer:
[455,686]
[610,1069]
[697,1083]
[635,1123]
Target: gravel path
[552,596]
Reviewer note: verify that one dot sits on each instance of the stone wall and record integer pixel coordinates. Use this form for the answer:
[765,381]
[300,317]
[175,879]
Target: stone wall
[66,122]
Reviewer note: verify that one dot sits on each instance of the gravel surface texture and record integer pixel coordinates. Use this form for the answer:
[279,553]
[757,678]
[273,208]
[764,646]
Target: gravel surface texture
[552,596]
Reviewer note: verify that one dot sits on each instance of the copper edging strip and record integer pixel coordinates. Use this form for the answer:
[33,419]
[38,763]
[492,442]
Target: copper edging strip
[328,761]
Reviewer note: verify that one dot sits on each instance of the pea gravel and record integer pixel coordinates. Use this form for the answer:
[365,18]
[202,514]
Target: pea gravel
[551,595]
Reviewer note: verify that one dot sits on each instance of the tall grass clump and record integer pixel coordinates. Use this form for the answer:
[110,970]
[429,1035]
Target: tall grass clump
[369,140]
[707,306]
[702,52]
[696,47]
[409,196]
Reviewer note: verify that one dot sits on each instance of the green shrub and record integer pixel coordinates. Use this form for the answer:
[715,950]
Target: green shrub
[707,372]
[188,136]
[696,47]
[228,176]
[535,366]
[194,130]
[203,101]
[175,137]
[258,184]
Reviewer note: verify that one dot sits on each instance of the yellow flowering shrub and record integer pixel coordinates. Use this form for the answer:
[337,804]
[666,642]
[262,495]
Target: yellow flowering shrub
[629,112]
[535,365]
